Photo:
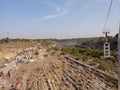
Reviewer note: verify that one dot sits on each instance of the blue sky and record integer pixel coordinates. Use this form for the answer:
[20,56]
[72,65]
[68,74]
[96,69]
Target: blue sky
[57,18]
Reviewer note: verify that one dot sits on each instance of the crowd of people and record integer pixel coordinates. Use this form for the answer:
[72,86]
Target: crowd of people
[22,57]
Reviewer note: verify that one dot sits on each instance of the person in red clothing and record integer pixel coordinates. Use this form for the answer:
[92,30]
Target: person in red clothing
[1,74]
[17,85]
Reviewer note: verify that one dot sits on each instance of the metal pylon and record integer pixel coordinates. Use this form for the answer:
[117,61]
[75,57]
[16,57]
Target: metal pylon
[106,49]
[106,44]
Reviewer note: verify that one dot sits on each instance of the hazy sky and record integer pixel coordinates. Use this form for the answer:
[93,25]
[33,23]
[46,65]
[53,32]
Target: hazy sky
[57,18]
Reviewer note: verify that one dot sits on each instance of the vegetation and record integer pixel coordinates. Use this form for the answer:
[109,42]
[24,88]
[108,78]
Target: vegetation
[36,53]
[94,57]
[5,40]
[45,55]
[83,52]
[47,42]
[90,50]
[93,43]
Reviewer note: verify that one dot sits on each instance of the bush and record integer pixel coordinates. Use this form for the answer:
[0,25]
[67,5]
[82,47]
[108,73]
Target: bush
[36,53]
[45,55]
[80,51]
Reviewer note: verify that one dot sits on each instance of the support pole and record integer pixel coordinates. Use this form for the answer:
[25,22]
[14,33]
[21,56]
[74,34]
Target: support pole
[119,59]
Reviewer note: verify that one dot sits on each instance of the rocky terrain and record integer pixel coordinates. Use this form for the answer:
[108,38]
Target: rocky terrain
[11,49]
[52,70]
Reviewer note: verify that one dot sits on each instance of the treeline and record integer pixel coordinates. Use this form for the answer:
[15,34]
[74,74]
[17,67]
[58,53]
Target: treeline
[93,43]
[99,42]
[7,39]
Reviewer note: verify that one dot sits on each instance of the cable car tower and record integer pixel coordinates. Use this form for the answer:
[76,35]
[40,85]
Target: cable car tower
[106,32]
[106,44]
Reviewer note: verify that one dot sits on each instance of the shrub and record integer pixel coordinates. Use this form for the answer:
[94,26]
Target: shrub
[45,55]
[36,53]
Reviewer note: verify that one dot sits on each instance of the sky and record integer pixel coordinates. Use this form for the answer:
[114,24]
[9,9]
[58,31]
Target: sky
[57,18]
